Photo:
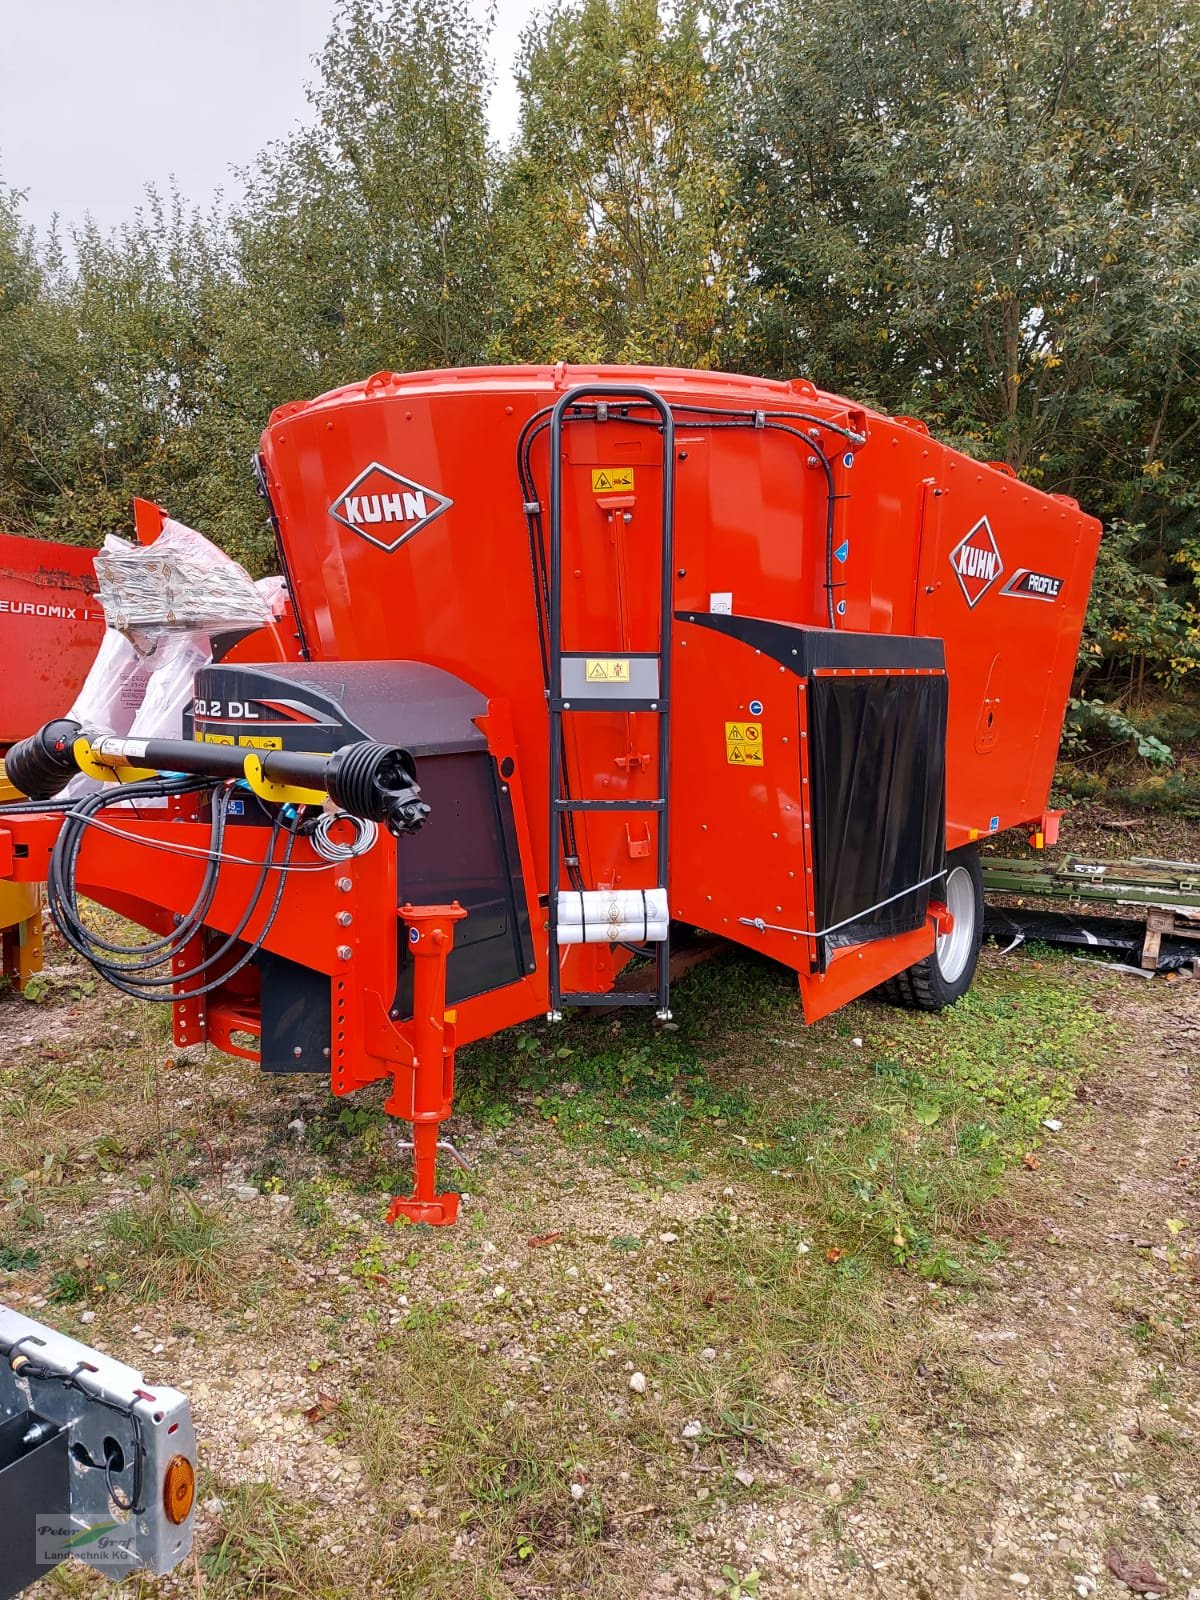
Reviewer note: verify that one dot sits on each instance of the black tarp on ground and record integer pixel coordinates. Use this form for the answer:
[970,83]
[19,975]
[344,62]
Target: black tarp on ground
[1118,937]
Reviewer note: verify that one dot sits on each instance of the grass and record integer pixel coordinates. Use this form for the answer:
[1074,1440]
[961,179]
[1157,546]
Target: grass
[167,1248]
[170,1248]
[758,1218]
[286,1550]
[842,1181]
[890,1152]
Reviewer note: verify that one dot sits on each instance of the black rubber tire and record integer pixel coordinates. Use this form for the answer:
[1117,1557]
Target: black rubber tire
[922,987]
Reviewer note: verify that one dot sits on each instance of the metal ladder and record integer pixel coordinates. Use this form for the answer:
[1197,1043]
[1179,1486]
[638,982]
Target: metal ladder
[647,688]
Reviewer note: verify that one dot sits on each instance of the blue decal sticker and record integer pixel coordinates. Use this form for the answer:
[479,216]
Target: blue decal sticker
[842,551]
[236,808]
[756,708]
[414,936]
[994,824]
[848,459]
[841,608]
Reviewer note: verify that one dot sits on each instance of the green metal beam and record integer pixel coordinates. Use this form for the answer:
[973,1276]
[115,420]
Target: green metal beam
[1139,882]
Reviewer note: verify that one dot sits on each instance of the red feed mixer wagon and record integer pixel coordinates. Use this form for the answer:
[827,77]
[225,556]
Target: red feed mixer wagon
[585,659]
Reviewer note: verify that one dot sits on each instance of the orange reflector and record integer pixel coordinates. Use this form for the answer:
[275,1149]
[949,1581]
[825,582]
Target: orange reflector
[179,1488]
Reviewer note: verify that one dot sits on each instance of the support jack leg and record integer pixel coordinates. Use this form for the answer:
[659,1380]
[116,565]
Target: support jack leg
[427,1097]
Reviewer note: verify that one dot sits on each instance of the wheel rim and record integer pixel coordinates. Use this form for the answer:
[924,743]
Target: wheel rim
[954,948]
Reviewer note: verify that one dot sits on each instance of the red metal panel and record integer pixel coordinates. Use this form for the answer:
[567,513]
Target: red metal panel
[750,534]
[50,630]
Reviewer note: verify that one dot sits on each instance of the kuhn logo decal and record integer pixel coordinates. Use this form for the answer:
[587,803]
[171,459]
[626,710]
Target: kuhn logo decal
[1033,585]
[386,509]
[976,562]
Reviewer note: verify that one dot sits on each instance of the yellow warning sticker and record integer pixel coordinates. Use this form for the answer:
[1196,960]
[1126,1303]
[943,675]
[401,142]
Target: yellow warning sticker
[244,741]
[743,744]
[612,480]
[606,669]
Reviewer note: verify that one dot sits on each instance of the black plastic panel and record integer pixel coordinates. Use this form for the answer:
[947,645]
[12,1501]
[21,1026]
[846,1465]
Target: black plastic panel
[877,774]
[34,1484]
[805,650]
[321,705]
[297,1016]
[467,851]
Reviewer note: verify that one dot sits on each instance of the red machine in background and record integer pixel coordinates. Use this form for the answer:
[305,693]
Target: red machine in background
[659,650]
[50,625]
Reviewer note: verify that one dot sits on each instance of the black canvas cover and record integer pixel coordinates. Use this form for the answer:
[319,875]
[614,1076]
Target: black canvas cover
[877,773]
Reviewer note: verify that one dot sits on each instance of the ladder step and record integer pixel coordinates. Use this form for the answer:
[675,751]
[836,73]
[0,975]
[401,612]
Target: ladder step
[615,680]
[609,805]
[608,997]
[609,702]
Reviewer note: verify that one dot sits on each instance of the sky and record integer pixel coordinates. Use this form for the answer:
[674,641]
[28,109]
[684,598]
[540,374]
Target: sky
[100,97]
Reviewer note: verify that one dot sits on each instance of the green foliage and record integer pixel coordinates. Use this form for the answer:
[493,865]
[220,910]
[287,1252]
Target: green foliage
[1137,621]
[18,1259]
[614,207]
[311,1203]
[986,213]
[982,212]
[1088,718]
[1164,792]
[69,1286]
[169,1248]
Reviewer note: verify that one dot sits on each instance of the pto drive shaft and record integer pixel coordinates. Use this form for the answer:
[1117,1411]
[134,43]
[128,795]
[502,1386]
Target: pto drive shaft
[374,781]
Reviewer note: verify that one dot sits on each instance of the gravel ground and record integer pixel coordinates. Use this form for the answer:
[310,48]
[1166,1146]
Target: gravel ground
[1027,1435]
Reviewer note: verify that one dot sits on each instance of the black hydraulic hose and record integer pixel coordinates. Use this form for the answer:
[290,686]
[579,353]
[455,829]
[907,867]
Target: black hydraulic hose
[751,420]
[155,951]
[831,500]
[64,908]
[533,525]
[715,417]
[174,979]
[61,873]
[751,416]
[534,426]
[128,791]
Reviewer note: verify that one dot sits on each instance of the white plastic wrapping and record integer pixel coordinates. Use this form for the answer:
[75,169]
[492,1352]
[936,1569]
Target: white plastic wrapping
[162,603]
[273,592]
[138,696]
[114,687]
[612,916]
[177,660]
[613,933]
[181,582]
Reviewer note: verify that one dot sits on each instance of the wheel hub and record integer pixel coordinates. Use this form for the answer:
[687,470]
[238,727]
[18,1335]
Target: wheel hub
[955,944]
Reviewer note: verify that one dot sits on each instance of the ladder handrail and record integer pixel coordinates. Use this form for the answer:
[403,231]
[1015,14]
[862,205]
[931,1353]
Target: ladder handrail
[572,397]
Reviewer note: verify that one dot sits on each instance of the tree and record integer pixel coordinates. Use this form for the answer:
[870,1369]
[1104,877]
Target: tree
[988,212]
[364,239]
[138,393]
[614,208]
[32,332]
